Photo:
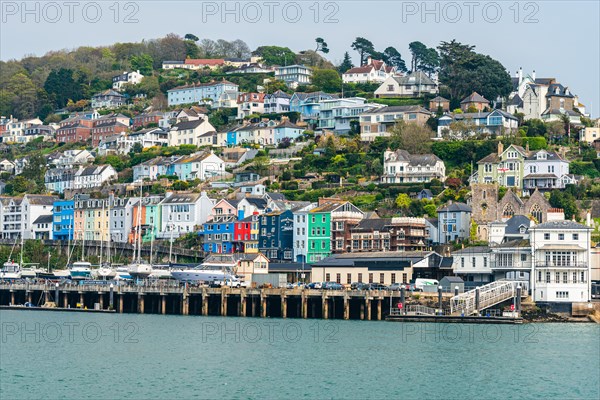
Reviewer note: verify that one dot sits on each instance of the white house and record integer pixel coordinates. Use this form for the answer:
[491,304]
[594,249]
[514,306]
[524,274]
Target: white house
[33,207]
[454,223]
[373,71]
[415,84]
[250,103]
[401,167]
[561,262]
[212,92]
[93,176]
[545,170]
[277,102]
[181,213]
[189,132]
[73,158]
[473,264]
[133,78]
[294,75]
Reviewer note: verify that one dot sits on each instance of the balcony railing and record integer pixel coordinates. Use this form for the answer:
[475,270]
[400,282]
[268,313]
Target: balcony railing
[576,264]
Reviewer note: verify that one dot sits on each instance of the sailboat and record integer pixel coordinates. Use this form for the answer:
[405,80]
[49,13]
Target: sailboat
[162,271]
[139,269]
[11,269]
[105,271]
[81,269]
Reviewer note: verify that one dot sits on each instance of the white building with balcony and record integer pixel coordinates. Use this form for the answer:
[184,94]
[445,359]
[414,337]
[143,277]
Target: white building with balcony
[561,262]
[294,75]
[402,167]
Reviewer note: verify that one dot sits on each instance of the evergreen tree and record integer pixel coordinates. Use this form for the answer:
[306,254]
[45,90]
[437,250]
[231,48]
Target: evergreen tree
[346,63]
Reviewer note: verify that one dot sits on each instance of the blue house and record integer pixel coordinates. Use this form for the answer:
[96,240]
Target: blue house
[218,234]
[62,219]
[307,104]
[275,238]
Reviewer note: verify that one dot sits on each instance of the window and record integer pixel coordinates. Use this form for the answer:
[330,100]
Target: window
[546,236]
[348,278]
[565,277]
[327,277]
[359,278]
[582,277]
[547,277]
[473,262]
[576,236]
[484,262]
[561,236]
[338,278]
[539,279]
[371,277]
[462,262]
[393,277]
[404,278]
[557,277]
[574,277]
[523,257]
[381,276]
[562,295]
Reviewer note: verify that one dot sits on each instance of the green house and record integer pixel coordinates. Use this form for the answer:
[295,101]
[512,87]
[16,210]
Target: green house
[506,167]
[318,234]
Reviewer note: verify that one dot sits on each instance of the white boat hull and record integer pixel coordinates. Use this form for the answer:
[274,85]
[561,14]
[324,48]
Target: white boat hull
[140,271]
[195,275]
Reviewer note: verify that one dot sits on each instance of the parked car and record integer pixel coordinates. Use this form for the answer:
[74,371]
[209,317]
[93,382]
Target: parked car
[376,286]
[396,287]
[359,286]
[332,286]
[314,285]
[290,285]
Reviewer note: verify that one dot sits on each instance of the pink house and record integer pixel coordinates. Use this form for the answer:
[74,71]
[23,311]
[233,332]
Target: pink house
[224,207]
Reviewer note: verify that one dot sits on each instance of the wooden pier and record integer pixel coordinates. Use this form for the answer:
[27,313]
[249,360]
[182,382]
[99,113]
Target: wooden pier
[196,300]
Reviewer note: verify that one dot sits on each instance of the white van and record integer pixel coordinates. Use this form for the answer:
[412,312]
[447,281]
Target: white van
[420,283]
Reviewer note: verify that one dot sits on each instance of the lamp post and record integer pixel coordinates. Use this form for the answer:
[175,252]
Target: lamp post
[56,294]
[111,298]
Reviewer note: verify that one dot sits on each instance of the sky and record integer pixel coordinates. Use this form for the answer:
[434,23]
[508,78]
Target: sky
[559,39]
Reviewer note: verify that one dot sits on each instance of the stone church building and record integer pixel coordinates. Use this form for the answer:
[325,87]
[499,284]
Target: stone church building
[487,208]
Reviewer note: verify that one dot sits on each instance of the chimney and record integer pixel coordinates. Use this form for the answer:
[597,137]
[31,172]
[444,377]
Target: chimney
[533,75]
[588,219]
[520,75]
[500,148]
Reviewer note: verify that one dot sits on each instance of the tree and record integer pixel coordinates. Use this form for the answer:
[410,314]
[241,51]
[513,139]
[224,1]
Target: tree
[555,130]
[565,200]
[392,57]
[346,63]
[417,50]
[192,37]
[191,49]
[275,55]
[180,185]
[364,48]
[431,210]
[403,201]
[142,63]
[327,80]
[463,71]
[62,86]
[411,137]
[321,45]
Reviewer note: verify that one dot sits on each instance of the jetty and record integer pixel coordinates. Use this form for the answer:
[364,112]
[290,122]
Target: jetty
[186,299]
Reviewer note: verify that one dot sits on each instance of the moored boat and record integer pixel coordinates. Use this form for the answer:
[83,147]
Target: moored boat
[81,270]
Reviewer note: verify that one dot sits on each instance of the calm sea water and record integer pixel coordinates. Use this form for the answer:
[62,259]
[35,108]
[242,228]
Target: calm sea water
[71,355]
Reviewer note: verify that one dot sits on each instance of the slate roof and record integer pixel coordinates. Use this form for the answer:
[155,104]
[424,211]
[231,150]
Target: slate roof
[474,98]
[258,202]
[43,219]
[41,200]
[182,198]
[455,207]
[514,223]
[416,159]
[556,89]
[417,77]
[471,250]
[438,99]
[184,125]
[516,101]
[559,225]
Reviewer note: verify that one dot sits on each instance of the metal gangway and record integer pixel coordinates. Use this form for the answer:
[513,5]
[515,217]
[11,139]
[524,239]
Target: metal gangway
[486,296]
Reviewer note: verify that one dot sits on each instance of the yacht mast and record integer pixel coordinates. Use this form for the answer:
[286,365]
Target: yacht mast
[109,233]
[139,226]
